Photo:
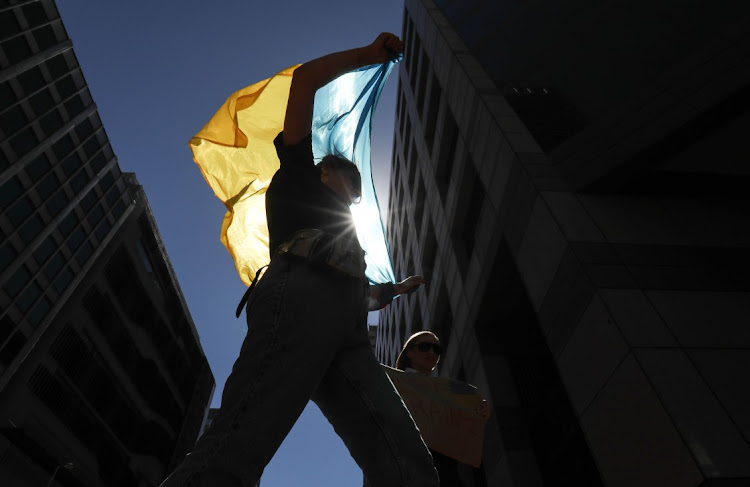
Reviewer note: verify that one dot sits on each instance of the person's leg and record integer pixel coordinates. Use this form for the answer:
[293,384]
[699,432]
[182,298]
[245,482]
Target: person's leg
[368,414]
[288,348]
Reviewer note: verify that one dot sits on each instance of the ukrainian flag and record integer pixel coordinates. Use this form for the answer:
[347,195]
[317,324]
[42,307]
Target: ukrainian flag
[236,155]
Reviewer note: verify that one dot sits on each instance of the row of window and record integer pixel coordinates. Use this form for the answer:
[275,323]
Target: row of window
[22,41]
[58,259]
[37,103]
[31,14]
[450,160]
[30,223]
[35,79]
[449,154]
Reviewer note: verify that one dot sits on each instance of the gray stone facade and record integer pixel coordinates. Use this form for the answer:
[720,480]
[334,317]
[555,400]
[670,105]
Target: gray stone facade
[571,180]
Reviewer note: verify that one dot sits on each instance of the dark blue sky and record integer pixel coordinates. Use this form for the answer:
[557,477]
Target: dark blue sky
[157,72]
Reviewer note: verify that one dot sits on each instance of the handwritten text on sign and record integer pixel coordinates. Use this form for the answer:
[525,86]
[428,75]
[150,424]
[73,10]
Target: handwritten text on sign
[445,412]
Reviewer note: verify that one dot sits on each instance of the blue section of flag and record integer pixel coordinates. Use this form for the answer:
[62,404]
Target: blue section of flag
[342,123]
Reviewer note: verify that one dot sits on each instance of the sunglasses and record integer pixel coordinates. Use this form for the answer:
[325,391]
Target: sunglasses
[426,346]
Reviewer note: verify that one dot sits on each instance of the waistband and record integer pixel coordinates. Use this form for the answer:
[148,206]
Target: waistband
[321,249]
[318,247]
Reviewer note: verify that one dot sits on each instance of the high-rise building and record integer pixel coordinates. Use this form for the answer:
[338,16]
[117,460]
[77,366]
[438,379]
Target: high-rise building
[103,381]
[572,180]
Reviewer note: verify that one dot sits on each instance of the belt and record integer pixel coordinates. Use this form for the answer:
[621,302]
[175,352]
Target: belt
[318,247]
[322,249]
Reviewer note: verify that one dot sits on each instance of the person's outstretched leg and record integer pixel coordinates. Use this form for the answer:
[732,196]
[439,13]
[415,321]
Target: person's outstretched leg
[368,414]
[290,343]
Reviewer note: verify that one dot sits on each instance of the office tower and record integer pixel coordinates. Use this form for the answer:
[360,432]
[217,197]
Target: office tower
[103,381]
[571,179]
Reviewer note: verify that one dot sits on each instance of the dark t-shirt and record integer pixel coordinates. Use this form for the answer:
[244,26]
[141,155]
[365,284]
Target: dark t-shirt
[296,199]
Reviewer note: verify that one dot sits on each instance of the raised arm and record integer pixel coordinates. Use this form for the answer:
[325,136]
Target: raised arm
[318,72]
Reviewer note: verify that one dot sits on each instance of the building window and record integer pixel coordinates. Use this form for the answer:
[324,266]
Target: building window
[38,168]
[31,80]
[63,280]
[7,96]
[54,265]
[430,121]
[429,250]
[442,324]
[71,164]
[91,146]
[419,205]
[468,212]
[47,186]
[98,162]
[24,141]
[424,70]
[17,49]
[76,239]
[68,223]
[31,229]
[63,147]
[19,211]
[66,87]
[39,311]
[74,106]
[28,297]
[45,37]
[57,66]
[8,23]
[44,250]
[144,256]
[84,129]
[7,255]
[13,120]
[42,102]
[118,209]
[84,253]
[106,181]
[56,204]
[446,154]
[34,14]
[89,200]
[96,214]
[413,65]
[51,122]
[17,281]
[103,229]
[11,190]
[412,155]
[79,181]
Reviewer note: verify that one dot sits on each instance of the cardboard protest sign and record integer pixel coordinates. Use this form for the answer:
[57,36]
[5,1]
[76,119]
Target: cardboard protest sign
[445,412]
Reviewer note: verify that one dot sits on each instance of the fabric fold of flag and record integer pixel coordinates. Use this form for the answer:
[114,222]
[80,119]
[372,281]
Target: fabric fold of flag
[236,156]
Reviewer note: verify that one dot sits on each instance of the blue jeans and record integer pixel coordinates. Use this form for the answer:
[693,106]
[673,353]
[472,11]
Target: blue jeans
[307,340]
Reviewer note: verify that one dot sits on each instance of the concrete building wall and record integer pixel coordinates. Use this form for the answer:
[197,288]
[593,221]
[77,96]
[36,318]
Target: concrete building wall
[102,378]
[575,199]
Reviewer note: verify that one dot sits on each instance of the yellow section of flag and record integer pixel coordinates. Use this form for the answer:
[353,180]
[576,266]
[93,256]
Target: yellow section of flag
[236,155]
